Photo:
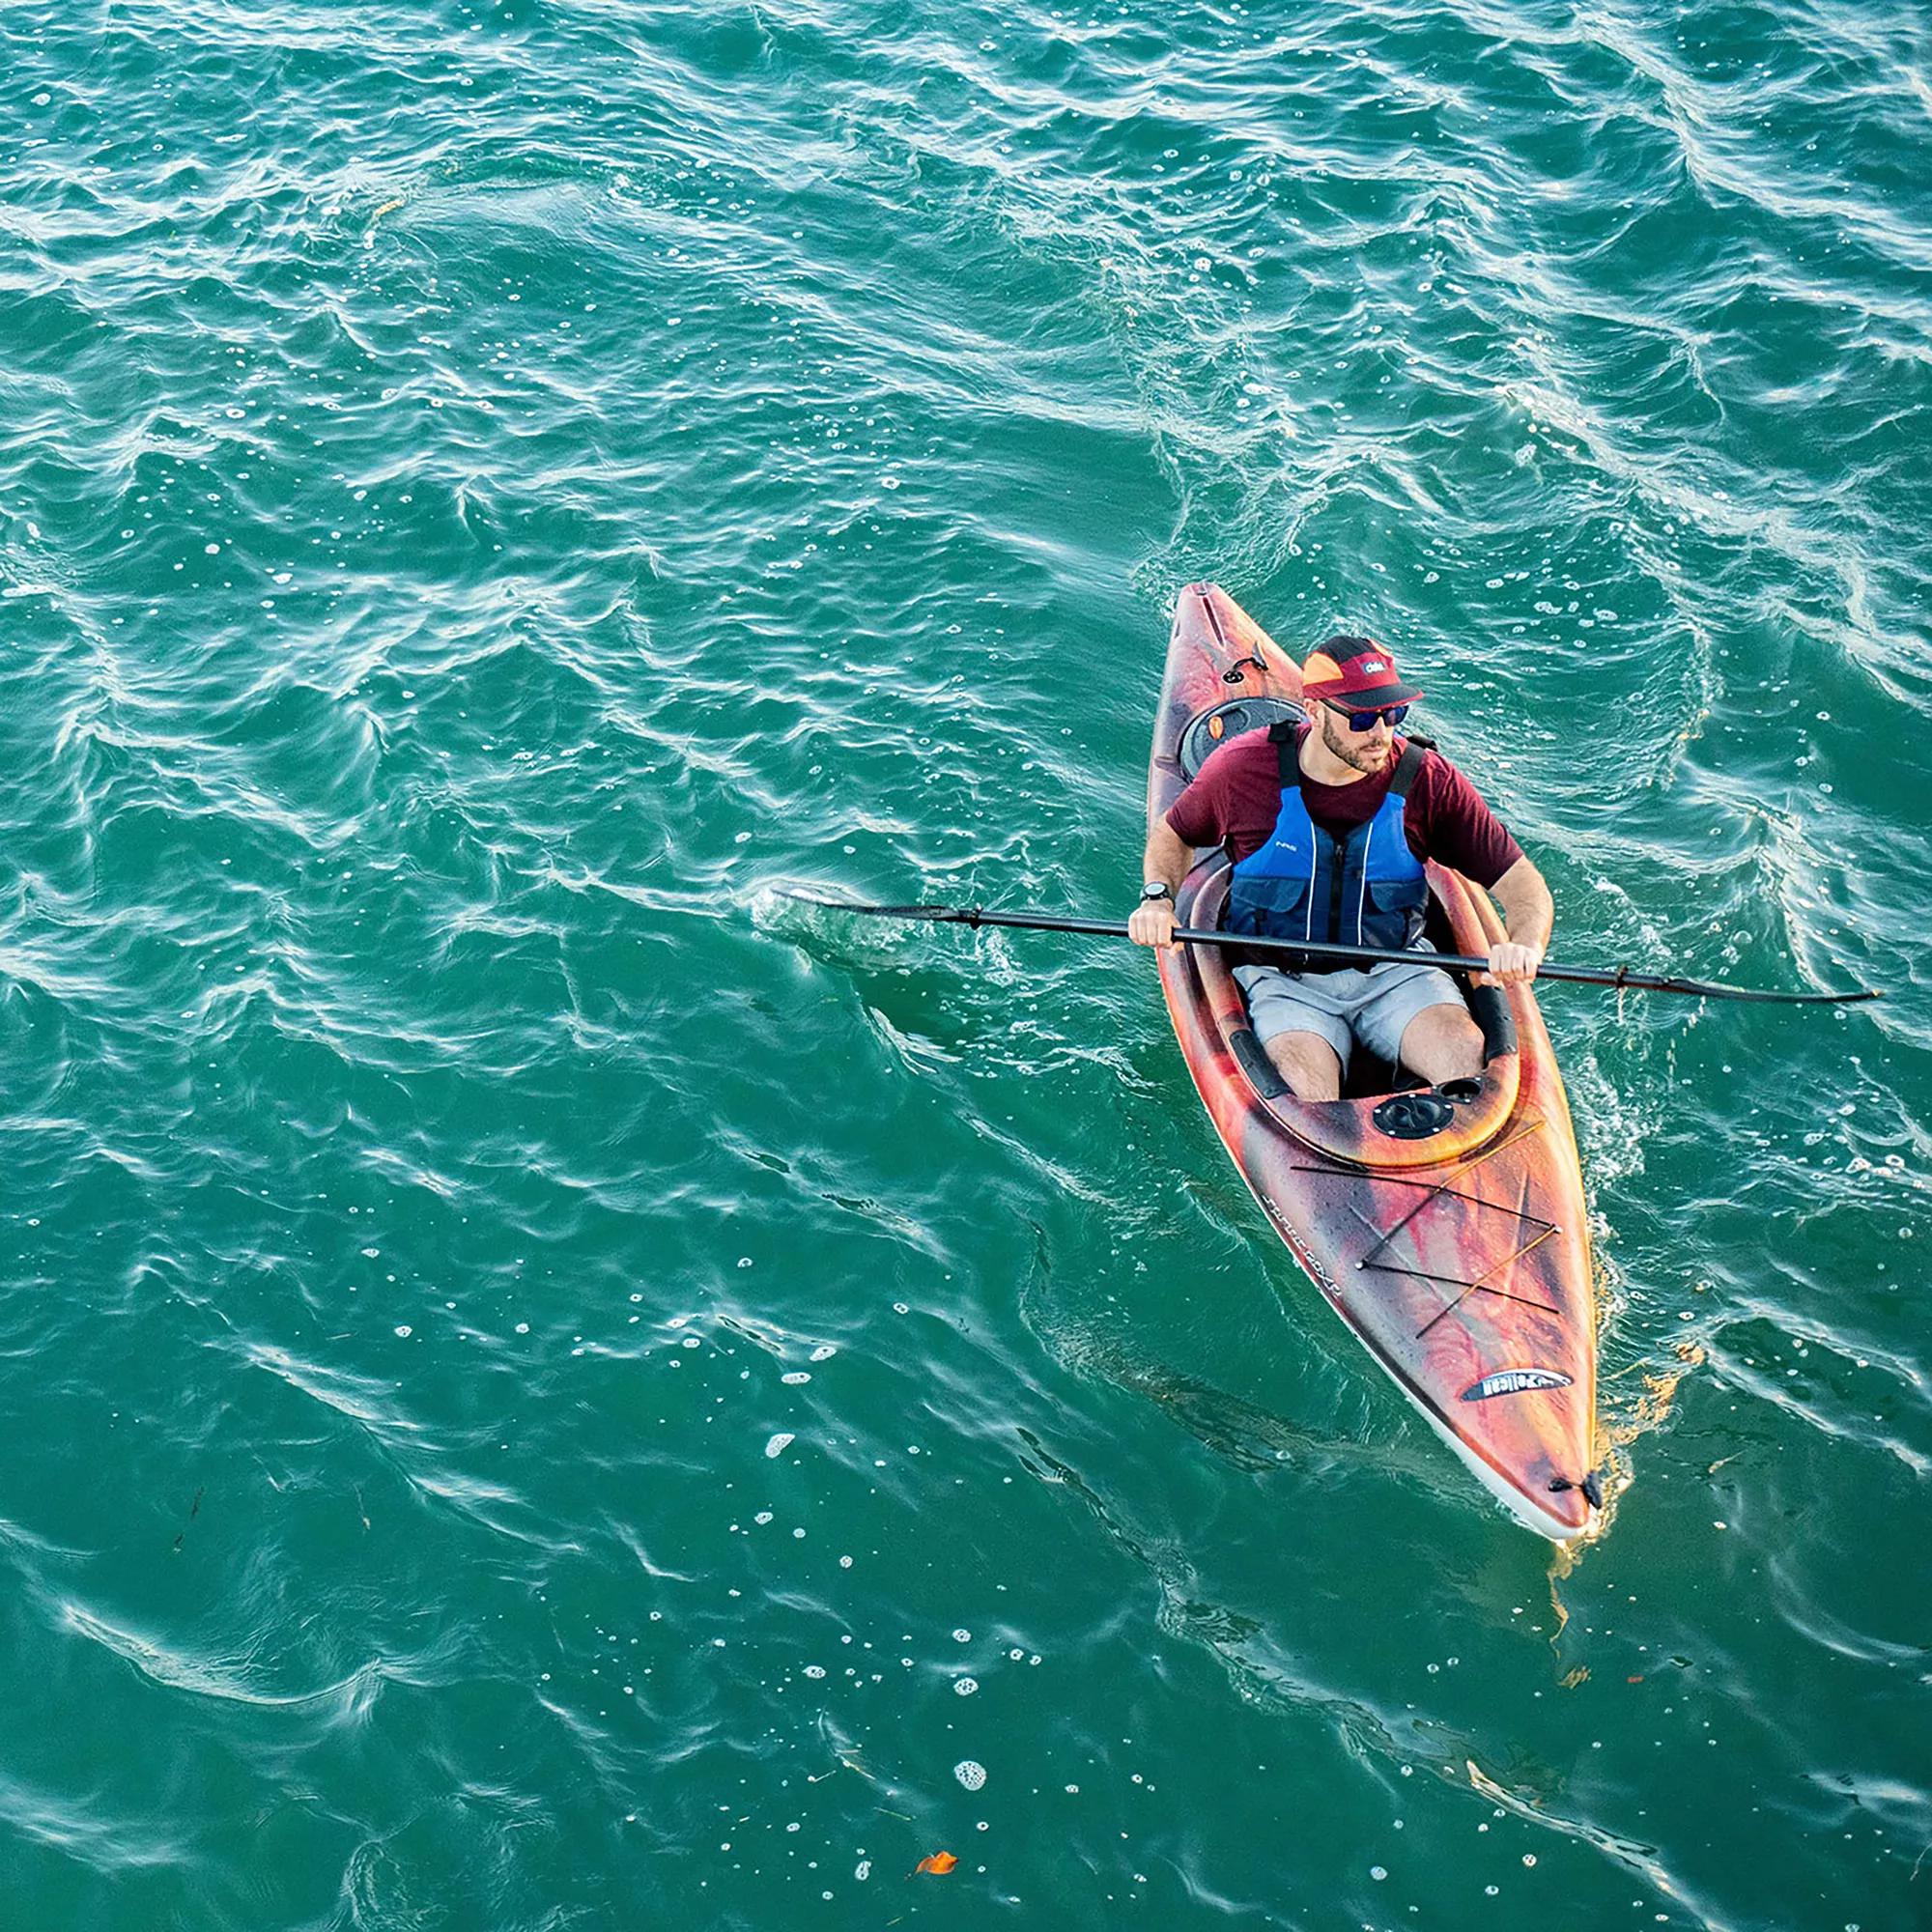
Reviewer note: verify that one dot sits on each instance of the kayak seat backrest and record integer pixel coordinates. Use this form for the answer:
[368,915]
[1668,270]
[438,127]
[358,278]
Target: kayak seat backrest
[1208,730]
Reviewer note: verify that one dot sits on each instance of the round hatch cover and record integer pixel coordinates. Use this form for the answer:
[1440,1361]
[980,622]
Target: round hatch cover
[1413,1116]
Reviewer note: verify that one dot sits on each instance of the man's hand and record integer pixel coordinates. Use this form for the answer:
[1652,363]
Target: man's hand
[1152,922]
[1512,963]
[1168,858]
[1526,910]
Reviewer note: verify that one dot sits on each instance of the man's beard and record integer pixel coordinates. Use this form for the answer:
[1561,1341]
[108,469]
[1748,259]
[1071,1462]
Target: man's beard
[1368,759]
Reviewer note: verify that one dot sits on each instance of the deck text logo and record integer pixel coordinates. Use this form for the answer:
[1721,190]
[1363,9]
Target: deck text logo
[1513,1381]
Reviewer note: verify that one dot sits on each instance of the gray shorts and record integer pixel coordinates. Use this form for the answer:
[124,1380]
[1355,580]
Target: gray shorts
[1374,1006]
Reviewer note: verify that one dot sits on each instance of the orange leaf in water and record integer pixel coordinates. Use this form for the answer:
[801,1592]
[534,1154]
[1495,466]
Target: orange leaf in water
[940,1863]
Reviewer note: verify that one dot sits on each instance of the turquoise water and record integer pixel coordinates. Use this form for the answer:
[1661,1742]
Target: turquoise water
[488,493]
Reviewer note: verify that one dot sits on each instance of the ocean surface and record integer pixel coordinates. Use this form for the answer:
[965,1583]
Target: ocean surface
[547,1387]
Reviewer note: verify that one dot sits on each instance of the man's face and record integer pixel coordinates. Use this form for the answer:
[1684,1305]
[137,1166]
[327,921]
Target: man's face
[1366,752]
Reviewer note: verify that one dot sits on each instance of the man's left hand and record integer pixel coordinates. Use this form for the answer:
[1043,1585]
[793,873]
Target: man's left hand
[1512,964]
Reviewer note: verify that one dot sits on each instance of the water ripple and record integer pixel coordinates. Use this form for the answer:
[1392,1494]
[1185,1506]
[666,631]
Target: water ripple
[490,495]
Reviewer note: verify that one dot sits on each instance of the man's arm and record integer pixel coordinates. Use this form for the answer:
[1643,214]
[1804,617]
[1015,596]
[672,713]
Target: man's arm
[1169,857]
[1528,911]
[1461,832]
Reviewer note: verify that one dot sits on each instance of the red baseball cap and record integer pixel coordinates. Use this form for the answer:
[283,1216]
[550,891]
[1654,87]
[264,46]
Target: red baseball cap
[1357,670]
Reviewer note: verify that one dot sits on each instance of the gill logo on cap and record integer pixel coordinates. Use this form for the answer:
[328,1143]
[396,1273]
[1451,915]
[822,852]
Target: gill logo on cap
[1513,1381]
[1374,663]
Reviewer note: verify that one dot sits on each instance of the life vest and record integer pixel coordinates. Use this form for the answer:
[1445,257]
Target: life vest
[1363,889]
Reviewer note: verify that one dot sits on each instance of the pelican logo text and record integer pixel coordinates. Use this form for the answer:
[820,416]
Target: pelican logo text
[1513,1381]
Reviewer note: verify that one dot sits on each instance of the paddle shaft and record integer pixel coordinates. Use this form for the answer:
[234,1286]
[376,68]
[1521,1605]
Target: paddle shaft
[1620,977]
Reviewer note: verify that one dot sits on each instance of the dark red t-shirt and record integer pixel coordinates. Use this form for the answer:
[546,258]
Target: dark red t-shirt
[1235,800]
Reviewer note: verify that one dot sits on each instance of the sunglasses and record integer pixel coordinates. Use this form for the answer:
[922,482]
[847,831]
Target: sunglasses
[1365,720]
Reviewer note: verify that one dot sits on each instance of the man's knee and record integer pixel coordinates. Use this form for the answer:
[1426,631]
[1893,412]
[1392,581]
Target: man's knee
[1443,1044]
[1308,1064]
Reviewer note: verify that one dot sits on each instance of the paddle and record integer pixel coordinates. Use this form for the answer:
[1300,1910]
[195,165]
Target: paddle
[1621,977]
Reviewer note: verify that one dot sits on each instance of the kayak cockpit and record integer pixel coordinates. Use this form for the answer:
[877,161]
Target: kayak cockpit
[1383,1121]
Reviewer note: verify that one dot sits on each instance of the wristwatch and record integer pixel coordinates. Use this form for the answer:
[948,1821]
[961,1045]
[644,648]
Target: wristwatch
[1156,890]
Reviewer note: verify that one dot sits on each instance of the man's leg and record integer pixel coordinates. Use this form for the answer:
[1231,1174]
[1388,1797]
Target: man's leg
[1442,1042]
[1308,1064]
[1295,1021]
[1414,1017]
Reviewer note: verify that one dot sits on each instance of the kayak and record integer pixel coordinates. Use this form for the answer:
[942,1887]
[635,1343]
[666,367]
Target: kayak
[1445,1225]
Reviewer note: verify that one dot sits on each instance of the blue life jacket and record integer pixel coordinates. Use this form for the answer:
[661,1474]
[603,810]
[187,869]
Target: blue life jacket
[1363,889]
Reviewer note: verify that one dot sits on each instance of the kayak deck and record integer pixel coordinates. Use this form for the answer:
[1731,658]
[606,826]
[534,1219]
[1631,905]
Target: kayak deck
[1445,1226]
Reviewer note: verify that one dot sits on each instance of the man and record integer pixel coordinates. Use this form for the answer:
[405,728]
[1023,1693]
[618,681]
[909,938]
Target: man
[1328,824]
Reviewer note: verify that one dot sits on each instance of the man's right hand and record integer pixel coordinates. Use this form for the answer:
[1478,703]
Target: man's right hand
[1152,922]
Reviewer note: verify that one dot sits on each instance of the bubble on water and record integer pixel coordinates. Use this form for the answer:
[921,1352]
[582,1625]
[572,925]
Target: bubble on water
[814,1670]
[796,1377]
[764,1516]
[824,1353]
[972,1776]
[863,1870]
[965,1687]
[522,1328]
[689,1342]
[1379,1873]
[962,1637]
[405,1331]
[780,1444]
